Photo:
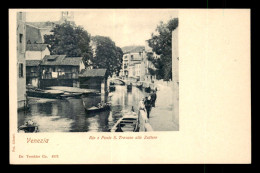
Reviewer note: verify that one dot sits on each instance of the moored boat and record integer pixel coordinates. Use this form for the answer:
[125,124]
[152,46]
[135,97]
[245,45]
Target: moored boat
[128,123]
[44,93]
[29,127]
[94,109]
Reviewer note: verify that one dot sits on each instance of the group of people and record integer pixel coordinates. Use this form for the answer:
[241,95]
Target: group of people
[147,103]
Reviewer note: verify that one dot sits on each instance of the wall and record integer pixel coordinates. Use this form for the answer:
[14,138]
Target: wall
[144,125]
[175,75]
[37,55]
[21,81]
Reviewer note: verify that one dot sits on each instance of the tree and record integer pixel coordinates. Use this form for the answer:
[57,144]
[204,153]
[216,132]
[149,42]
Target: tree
[107,55]
[69,40]
[161,44]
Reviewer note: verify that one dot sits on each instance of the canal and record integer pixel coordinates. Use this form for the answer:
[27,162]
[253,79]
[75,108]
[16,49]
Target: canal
[68,115]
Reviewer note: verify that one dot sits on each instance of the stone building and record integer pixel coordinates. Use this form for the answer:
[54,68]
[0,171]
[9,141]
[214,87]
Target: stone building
[132,55]
[175,75]
[21,47]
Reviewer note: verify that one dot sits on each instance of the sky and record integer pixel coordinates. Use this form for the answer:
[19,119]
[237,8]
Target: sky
[126,27]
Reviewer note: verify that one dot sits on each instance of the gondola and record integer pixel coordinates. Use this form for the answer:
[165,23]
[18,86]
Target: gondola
[94,109]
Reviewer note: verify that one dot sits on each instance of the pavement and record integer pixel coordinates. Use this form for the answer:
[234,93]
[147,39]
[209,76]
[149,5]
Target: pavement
[161,116]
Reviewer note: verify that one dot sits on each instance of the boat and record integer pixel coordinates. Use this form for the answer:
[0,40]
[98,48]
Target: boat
[128,123]
[53,94]
[92,94]
[73,95]
[94,109]
[29,127]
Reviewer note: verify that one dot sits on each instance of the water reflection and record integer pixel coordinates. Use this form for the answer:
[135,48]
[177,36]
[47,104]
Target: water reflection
[69,115]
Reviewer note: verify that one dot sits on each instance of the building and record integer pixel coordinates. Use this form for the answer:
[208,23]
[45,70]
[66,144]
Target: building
[59,70]
[33,72]
[132,55]
[21,47]
[37,30]
[147,65]
[94,79]
[175,75]
[36,51]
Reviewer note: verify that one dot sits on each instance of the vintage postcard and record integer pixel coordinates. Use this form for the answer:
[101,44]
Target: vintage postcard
[174,82]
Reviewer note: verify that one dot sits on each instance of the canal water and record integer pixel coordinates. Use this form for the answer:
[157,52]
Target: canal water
[68,115]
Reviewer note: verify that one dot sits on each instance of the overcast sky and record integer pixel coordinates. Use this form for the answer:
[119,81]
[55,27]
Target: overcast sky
[124,26]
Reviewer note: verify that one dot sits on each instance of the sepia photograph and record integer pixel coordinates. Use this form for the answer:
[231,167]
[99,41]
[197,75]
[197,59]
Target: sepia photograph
[79,76]
[97,71]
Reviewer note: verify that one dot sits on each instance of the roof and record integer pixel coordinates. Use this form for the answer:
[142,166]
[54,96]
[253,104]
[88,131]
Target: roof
[93,73]
[33,34]
[36,47]
[132,49]
[33,62]
[61,60]
[47,24]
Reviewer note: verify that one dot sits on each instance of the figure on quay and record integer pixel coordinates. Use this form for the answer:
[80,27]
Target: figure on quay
[148,105]
[153,97]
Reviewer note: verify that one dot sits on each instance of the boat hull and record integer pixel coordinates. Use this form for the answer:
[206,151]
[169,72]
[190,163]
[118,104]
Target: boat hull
[42,94]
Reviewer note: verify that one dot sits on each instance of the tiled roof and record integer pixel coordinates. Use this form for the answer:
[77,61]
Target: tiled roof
[61,60]
[33,62]
[93,73]
[36,47]
[132,49]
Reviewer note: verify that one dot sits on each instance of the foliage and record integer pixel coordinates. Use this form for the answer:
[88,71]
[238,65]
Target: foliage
[69,40]
[107,55]
[161,44]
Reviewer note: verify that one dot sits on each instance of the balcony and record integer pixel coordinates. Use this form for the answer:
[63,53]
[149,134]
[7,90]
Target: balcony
[60,75]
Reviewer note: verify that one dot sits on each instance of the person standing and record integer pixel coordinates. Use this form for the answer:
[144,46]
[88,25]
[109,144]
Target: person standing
[148,105]
[153,96]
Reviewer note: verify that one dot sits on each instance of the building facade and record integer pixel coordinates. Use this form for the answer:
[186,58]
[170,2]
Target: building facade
[36,51]
[175,75]
[33,72]
[132,55]
[21,47]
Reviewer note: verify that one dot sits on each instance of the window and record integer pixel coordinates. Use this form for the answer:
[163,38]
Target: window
[20,70]
[20,38]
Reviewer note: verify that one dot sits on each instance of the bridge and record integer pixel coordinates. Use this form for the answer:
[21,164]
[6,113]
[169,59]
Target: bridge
[117,79]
